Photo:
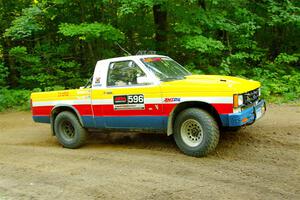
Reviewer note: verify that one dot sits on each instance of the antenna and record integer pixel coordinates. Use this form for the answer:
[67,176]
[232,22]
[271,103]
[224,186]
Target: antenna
[123,49]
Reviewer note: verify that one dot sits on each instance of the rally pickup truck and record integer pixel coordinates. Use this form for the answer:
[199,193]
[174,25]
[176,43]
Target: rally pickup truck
[151,93]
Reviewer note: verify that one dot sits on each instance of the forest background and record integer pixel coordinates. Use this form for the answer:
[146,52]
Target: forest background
[49,45]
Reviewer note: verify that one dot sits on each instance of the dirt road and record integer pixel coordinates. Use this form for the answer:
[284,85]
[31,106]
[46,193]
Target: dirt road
[258,162]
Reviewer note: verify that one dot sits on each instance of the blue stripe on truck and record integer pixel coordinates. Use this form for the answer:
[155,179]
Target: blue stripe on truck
[41,119]
[139,122]
[235,119]
[142,122]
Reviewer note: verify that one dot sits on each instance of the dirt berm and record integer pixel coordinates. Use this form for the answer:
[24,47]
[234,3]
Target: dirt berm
[258,162]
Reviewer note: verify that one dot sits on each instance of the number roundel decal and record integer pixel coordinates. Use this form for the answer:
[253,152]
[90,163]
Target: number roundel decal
[129,102]
[135,99]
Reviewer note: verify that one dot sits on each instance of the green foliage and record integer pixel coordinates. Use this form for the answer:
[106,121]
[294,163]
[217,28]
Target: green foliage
[277,85]
[20,55]
[33,73]
[129,7]
[280,82]
[53,88]
[285,58]
[3,75]
[14,99]
[25,65]
[283,12]
[26,25]
[54,44]
[202,44]
[89,32]
[68,73]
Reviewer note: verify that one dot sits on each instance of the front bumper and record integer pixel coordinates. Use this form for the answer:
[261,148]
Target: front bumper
[246,117]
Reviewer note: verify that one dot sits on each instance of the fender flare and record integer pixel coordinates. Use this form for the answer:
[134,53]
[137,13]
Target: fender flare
[64,107]
[190,104]
[170,122]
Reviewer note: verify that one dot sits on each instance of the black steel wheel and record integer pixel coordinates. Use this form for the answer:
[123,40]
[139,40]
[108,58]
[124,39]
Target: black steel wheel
[69,131]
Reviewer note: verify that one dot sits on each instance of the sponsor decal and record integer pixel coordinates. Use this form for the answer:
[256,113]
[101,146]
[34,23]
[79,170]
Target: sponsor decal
[97,80]
[170,100]
[63,94]
[129,107]
[120,99]
[129,102]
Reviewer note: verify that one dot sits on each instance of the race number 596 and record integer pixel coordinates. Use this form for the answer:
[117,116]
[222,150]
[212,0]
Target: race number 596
[136,99]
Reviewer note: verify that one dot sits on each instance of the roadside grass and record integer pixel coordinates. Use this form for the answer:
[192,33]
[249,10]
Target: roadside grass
[2,197]
[14,100]
[282,100]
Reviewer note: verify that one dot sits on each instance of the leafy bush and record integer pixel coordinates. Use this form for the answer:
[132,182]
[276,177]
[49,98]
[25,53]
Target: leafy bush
[20,99]
[3,75]
[26,25]
[14,99]
[91,31]
[280,82]
[49,43]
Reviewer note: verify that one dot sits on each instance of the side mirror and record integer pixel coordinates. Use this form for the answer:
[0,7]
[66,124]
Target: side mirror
[144,80]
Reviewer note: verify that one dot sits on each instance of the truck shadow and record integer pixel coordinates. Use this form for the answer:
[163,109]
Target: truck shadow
[229,141]
[133,140]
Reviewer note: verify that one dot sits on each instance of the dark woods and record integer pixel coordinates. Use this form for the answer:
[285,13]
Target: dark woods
[46,45]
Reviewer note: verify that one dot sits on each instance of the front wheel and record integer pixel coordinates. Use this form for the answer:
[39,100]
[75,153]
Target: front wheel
[69,131]
[196,132]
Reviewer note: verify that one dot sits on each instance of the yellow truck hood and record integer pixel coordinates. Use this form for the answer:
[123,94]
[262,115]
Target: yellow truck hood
[211,84]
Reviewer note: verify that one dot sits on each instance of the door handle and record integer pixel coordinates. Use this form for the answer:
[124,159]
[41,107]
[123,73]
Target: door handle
[108,92]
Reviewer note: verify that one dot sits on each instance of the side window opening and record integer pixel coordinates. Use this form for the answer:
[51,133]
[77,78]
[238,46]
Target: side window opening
[124,73]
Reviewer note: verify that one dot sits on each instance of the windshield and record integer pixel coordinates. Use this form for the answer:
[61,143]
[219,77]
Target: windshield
[165,68]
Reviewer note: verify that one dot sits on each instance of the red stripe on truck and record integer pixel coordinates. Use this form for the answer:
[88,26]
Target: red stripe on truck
[41,110]
[108,110]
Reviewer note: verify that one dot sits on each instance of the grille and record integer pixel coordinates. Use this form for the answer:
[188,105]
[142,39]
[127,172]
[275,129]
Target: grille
[251,97]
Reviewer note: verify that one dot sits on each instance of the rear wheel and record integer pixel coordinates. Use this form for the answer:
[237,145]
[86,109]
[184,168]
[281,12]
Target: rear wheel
[196,132]
[69,131]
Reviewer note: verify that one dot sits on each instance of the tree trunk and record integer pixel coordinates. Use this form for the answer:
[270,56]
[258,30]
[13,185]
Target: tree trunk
[202,4]
[9,63]
[161,26]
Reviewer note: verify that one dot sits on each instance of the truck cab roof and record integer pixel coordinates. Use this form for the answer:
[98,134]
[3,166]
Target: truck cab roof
[133,57]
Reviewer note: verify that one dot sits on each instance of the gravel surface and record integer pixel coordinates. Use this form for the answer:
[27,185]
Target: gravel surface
[258,162]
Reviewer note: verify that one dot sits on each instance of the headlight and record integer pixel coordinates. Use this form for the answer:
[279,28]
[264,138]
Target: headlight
[238,100]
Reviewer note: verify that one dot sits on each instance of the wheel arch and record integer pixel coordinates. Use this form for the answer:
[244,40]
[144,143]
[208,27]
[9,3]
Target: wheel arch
[60,108]
[191,104]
